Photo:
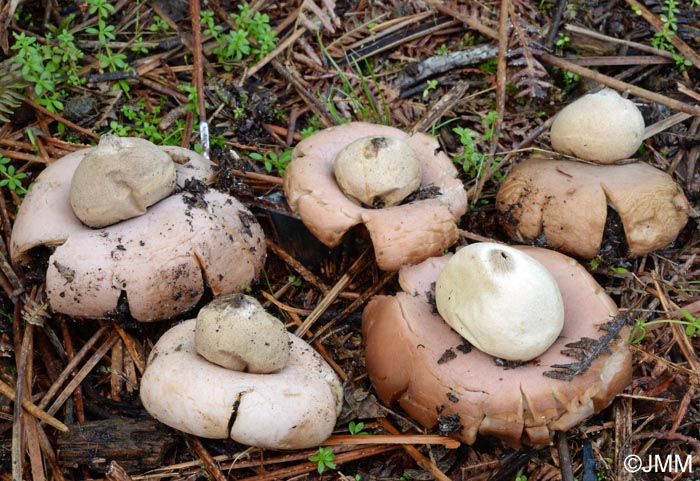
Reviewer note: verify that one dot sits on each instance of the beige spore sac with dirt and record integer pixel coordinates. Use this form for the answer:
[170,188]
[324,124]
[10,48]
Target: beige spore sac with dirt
[120,179]
[378,171]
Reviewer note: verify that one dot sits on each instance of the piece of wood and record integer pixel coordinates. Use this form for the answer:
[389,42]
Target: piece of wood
[135,444]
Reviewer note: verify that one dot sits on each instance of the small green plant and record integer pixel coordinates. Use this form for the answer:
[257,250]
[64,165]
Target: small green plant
[692,326]
[192,97]
[252,35]
[158,25]
[323,459]
[138,119]
[470,159]
[443,49]
[356,428]
[47,65]
[10,177]
[521,477]
[294,280]
[563,41]
[570,78]
[489,123]
[662,39]
[431,85]
[490,66]
[109,59]
[273,161]
[308,132]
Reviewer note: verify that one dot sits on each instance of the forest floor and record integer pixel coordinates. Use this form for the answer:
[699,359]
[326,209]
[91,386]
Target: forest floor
[484,77]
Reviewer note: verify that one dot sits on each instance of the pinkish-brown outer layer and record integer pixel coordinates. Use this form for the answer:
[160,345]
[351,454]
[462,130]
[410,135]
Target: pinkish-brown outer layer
[401,235]
[405,339]
[160,259]
[568,201]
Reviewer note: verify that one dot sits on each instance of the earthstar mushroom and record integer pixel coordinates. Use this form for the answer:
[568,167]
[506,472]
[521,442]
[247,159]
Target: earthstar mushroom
[401,234]
[414,359]
[293,407]
[156,265]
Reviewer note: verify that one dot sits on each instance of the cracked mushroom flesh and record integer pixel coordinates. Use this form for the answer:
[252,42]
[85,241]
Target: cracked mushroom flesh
[295,407]
[156,265]
[566,203]
[414,359]
[601,127]
[402,234]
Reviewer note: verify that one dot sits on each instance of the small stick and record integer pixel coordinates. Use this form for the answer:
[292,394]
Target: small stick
[70,352]
[298,267]
[50,455]
[316,106]
[605,60]
[61,119]
[36,461]
[209,463]
[619,85]
[339,459]
[281,305]
[471,22]
[332,294]
[619,41]
[271,179]
[421,460]
[567,472]
[354,439]
[320,348]
[13,154]
[386,277]
[68,370]
[198,76]
[131,347]
[664,124]
[117,368]
[503,36]
[7,391]
[80,376]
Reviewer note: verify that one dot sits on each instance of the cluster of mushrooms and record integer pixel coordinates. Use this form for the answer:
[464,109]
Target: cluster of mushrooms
[134,230]
[465,346]
[564,203]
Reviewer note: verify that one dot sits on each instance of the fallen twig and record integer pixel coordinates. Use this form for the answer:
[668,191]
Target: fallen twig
[618,84]
[354,439]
